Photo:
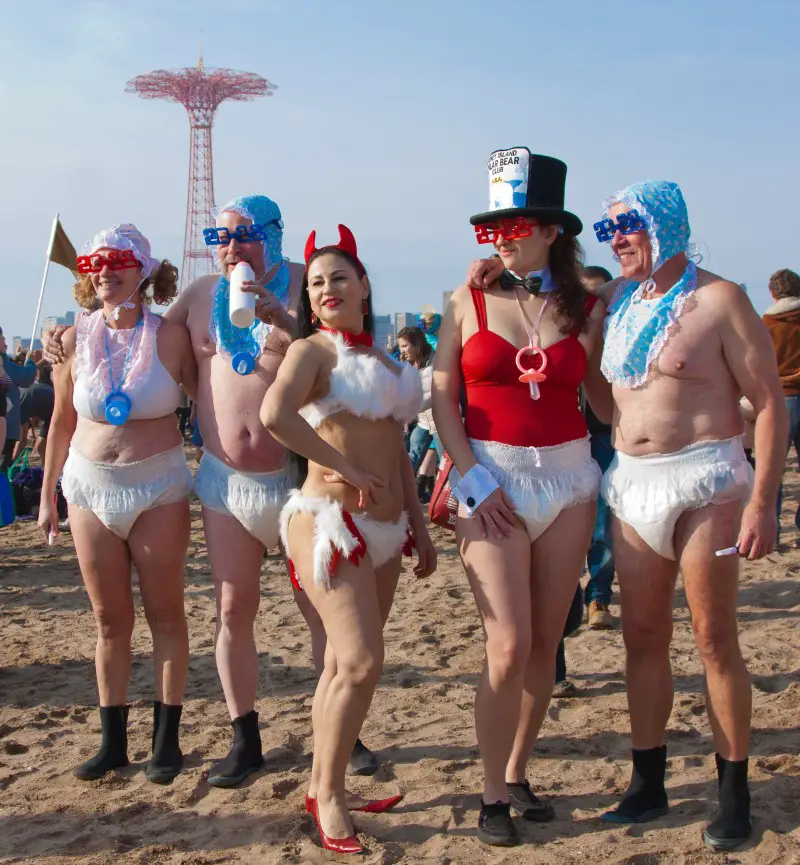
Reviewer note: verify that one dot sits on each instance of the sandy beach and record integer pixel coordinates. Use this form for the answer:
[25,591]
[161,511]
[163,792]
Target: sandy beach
[420,724]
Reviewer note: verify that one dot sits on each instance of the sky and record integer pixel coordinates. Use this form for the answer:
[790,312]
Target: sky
[383,119]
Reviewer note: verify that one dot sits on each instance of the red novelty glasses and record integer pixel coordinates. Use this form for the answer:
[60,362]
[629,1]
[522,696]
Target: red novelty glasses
[116,259]
[511,229]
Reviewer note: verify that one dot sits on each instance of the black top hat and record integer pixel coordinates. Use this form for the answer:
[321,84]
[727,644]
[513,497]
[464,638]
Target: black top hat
[522,183]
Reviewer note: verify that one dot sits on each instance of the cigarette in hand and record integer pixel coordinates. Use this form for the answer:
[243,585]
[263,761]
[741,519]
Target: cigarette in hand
[728,551]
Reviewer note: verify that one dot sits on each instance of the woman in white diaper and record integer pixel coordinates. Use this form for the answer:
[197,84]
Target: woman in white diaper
[341,403]
[114,434]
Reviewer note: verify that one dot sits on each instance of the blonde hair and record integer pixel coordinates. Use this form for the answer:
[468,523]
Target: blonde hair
[163,281]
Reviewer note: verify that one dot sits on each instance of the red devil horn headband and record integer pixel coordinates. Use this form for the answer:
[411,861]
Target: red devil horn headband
[347,243]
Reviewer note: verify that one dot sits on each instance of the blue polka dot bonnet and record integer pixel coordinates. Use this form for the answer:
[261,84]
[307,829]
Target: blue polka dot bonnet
[660,204]
[261,211]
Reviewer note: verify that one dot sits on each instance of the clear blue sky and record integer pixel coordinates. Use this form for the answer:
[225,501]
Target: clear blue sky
[384,117]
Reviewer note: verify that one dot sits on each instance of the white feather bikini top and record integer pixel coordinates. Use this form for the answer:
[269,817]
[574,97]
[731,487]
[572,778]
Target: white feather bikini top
[364,386]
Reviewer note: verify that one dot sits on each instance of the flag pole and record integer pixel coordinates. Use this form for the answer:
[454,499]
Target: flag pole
[44,282]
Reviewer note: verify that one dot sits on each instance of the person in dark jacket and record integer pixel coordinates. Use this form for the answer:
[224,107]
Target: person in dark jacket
[15,376]
[783,322]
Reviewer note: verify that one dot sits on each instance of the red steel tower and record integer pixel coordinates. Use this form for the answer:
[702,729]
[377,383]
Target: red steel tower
[201,91]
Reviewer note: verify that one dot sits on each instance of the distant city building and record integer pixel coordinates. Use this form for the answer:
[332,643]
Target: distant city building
[405,319]
[446,295]
[18,342]
[388,326]
[67,320]
[384,330]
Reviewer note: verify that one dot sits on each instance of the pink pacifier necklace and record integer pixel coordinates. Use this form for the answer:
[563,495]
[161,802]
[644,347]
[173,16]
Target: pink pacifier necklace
[532,375]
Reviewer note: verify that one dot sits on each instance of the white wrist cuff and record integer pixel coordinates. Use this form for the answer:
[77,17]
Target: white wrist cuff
[474,488]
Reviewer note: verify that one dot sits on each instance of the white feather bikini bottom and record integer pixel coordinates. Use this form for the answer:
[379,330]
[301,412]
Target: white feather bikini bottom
[338,534]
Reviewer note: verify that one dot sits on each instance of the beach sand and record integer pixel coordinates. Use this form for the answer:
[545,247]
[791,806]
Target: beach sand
[420,723]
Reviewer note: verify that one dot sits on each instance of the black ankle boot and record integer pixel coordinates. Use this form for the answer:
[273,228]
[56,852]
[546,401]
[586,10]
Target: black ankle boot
[245,755]
[362,760]
[113,753]
[421,487]
[731,827]
[156,719]
[167,759]
[646,796]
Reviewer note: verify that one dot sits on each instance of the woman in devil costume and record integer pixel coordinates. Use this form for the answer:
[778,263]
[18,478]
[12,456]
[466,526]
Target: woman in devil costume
[340,402]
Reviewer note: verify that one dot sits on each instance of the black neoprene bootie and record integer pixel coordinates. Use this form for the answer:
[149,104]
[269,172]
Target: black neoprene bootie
[113,753]
[245,755]
[646,796]
[731,827]
[167,759]
[156,719]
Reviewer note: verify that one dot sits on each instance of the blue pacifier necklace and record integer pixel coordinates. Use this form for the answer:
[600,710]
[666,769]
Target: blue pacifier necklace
[117,403]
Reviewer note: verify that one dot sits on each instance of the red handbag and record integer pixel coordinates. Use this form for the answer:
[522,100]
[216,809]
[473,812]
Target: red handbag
[443,507]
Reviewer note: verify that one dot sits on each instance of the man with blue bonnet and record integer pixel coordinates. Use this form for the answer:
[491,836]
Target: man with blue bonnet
[682,346]
[243,476]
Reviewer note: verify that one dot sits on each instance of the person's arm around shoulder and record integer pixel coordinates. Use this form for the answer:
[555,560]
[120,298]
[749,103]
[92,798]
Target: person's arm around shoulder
[298,377]
[180,343]
[749,354]
[478,492]
[483,272]
[595,386]
[62,428]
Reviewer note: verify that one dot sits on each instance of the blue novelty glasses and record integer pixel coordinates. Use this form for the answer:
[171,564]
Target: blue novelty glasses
[627,223]
[243,233]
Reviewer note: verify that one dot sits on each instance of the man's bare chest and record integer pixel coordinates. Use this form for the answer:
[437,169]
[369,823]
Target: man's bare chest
[693,349]
[198,325]
[205,347]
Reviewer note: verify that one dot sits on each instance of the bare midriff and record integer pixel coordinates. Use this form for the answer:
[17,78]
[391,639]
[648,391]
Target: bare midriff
[134,441]
[371,446]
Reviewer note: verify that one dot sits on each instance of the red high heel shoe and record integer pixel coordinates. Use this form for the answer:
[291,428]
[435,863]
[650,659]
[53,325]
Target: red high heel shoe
[351,844]
[376,806]
[379,806]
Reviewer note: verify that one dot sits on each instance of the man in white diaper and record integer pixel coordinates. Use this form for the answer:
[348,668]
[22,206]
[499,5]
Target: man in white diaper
[682,346]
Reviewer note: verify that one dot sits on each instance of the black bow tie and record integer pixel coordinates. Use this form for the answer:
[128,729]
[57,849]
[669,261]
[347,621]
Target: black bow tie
[531,284]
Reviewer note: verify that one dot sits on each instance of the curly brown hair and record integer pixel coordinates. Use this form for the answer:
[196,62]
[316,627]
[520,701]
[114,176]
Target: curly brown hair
[784,283]
[163,280]
[566,267]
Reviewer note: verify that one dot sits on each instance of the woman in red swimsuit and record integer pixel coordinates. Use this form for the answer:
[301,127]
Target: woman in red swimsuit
[523,475]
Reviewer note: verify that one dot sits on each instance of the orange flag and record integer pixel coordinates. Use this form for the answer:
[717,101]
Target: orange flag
[62,251]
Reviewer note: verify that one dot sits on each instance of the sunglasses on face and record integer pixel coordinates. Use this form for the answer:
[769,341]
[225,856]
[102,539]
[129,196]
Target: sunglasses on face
[114,260]
[627,223]
[242,233]
[510,229]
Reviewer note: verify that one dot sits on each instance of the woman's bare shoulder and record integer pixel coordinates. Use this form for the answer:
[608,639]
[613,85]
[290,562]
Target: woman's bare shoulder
[69,339]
